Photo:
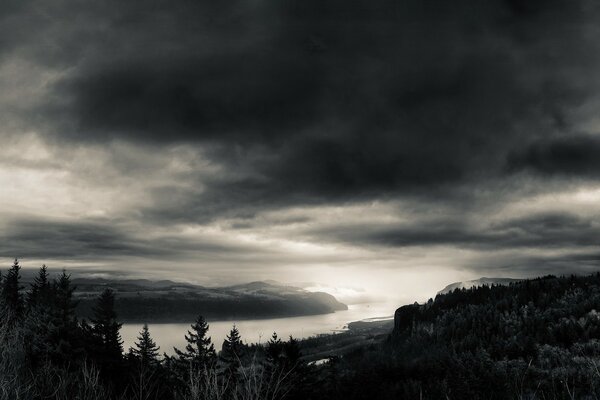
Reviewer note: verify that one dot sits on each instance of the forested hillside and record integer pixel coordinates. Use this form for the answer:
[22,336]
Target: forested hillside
[536,338]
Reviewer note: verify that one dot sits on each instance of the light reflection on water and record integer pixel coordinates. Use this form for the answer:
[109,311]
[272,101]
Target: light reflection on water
[168,335]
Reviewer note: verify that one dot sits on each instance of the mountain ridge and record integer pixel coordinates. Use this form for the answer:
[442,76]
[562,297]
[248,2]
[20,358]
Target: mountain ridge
[477,282]
[144,300]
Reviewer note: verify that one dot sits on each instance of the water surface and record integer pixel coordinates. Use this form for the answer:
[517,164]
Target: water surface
[168,335]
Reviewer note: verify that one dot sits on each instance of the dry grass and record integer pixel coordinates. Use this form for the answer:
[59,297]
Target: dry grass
[252,382]
[17,382]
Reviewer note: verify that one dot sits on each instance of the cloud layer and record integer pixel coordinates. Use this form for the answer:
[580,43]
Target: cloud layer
[281,139]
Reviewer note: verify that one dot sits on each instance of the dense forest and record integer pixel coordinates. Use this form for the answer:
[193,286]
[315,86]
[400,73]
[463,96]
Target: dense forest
[537,339]
[534,339]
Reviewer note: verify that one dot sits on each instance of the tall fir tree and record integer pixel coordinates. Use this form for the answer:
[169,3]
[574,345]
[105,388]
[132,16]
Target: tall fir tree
[106,329]
[199,352]
[11,292]
[64,303]
[67,343]
[291,350]
[43,338]
[145,348]
[274,349]
[40,291]
[232,351]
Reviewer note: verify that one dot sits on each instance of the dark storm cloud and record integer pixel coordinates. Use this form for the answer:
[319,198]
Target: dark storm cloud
[572,156]
[323,100]
[538,265]
[191,118]
[550,230]
[39,238]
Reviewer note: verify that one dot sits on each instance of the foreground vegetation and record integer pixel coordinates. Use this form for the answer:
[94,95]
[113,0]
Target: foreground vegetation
[536,339]
[46,352]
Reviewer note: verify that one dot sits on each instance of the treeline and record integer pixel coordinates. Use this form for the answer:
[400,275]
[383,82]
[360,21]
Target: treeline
[46,352]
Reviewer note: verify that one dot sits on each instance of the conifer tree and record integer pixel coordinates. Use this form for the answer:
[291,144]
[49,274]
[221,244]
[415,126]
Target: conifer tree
[43,337]
[292,352]
[274,349]
[199,351]
[106,327]
[145,348]
[11,291]
[64,304]
[65,340]
[232,351]
[40,292]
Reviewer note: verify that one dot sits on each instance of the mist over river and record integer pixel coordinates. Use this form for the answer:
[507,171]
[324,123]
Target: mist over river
[169,335]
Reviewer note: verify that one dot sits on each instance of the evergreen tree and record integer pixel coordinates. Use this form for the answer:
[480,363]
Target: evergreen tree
[199,351]
[291,350]
[66,341]
[40,292]
[146,349]
[11,291]
[106,329]
[91,341]
[64,304]
[148,380]
[274,349]
[232,351]
[50,329]
[41,335]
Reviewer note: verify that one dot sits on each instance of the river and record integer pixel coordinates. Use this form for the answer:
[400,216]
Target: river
[169,335]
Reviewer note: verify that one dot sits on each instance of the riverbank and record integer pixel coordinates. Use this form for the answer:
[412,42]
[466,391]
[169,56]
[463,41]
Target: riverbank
[359,334]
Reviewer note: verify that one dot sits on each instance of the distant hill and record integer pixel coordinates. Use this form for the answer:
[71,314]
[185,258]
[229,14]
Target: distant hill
[476,283]
[143,300]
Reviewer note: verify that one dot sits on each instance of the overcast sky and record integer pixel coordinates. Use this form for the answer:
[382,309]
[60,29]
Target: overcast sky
[393,145]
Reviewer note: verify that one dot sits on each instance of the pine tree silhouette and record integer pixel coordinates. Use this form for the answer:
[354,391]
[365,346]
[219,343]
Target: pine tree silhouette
[145,348]
[65,306]
[292,352]
[11,292]
[40,291]
[199,352]
[64,320]
[232,351]
[274,349]
[106,328]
